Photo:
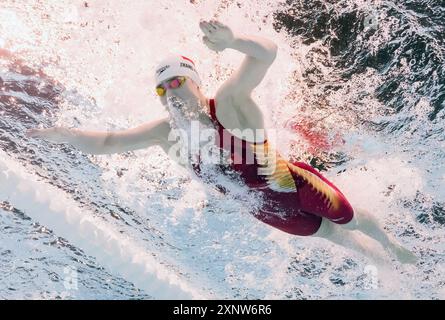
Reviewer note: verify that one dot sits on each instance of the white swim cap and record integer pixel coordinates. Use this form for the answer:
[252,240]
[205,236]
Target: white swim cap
[176,65]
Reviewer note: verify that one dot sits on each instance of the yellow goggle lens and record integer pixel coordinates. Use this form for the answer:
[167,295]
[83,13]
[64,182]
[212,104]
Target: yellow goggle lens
[170,84]
[160,91]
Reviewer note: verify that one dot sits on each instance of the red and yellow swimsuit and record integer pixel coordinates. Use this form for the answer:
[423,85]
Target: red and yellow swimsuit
[296,196]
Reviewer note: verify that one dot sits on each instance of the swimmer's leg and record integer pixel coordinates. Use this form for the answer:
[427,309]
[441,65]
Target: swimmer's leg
[365,222]
[351,240]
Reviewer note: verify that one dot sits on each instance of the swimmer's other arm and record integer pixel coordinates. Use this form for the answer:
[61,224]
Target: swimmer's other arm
[260,54]
[259,48]
[219,36]
[109,142]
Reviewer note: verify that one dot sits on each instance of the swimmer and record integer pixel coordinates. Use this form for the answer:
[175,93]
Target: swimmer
[297,198]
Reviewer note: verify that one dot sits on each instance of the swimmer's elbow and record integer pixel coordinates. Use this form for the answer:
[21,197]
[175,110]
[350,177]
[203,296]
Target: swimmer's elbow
[273,51]
[115,143]
[273,48]
[109,145]
[95,143]
[90,142]
[96,148]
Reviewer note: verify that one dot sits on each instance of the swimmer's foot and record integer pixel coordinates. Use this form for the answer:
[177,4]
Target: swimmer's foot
[404,255]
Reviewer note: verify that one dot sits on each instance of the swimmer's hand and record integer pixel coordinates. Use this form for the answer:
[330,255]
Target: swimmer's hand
[218,36]
[55,134]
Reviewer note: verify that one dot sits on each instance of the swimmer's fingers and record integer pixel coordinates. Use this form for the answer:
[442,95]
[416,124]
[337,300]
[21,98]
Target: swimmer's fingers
[216,24]
[216,30]
[217,35]
[212,25]
[34,133]
[208,43]
[206,27]
[211,45]
[54,134]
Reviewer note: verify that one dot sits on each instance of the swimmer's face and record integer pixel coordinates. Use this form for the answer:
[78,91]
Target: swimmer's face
[188,93]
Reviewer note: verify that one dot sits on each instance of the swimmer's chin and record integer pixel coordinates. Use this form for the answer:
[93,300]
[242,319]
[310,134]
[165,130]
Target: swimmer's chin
[181,103]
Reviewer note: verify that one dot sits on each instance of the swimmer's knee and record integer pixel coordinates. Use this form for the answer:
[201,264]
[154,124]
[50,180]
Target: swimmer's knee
[327,226]
[351,224]
[324,230]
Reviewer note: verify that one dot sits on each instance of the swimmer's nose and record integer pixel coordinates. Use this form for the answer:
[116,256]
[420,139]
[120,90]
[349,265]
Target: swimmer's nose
[169,94]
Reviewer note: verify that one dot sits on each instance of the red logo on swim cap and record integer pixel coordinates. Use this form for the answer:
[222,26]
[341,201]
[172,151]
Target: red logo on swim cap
[188,59]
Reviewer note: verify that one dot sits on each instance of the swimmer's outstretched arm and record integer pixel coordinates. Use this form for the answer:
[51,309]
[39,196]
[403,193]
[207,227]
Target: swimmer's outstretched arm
[109,142]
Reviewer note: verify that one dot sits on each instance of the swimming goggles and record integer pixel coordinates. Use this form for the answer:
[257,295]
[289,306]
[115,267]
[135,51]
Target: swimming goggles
[172,83]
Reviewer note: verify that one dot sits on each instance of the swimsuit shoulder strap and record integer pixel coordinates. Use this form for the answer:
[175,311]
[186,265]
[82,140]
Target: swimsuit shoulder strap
[212,109]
